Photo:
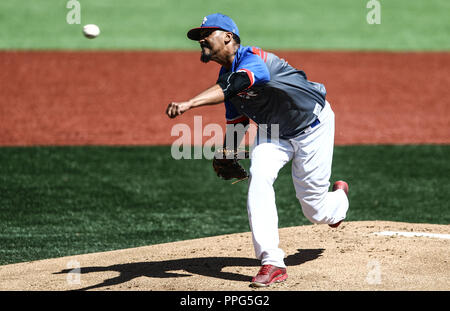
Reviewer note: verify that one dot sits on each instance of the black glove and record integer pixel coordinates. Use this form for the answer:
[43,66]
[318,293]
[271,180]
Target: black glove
[226,165]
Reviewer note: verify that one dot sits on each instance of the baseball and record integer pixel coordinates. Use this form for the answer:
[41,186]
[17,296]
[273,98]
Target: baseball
[91,31]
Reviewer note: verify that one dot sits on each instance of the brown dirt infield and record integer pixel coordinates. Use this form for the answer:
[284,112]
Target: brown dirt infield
[317,258]
[119,98]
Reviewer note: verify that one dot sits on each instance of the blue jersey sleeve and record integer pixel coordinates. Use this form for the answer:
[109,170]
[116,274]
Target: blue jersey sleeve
[252,61]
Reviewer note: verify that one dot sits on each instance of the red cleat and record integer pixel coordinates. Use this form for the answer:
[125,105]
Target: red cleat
[341,185]
[344,186]
[269,274]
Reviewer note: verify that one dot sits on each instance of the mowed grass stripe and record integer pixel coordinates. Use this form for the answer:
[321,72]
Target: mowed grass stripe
[58,201]
[283,24]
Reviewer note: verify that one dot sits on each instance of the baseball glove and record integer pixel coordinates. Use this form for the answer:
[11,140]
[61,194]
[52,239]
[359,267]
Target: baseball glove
[226,165]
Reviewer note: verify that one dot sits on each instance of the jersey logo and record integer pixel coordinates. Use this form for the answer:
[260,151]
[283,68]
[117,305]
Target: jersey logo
[204,20]
[247,94]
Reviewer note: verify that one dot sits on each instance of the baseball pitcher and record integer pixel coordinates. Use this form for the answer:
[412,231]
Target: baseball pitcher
[258,85]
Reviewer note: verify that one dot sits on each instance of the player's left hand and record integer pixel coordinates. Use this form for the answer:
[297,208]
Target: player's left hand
[176,109]
[226,165]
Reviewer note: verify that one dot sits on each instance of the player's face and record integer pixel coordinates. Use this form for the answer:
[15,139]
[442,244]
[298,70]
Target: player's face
[210,42]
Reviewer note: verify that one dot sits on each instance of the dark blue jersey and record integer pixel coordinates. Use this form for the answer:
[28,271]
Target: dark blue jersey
[279,94]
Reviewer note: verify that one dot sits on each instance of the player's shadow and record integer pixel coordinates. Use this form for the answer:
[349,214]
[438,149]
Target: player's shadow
[206,266]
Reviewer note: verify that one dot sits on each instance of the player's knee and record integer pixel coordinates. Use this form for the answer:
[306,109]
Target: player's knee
[264,165]
[261,173]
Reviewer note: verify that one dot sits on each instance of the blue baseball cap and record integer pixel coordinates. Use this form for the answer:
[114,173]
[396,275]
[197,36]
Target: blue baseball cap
[214,21]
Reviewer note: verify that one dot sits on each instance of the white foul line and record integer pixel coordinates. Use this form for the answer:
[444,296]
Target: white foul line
[414,234]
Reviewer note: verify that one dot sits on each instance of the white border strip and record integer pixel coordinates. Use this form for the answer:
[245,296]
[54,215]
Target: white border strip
[414,234]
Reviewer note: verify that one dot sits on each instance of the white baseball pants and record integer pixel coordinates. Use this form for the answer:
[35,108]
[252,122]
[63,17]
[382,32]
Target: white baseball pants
[311,154]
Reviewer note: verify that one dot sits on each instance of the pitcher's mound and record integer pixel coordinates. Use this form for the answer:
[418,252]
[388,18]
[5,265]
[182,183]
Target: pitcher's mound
[351,257]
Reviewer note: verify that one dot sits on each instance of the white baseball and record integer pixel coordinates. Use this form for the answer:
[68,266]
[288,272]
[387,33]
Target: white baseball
[91,31]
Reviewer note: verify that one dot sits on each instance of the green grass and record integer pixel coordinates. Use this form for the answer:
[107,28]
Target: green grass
[60,201]
[283,24]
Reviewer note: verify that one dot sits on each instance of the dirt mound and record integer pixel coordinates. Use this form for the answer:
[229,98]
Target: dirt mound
[351,257]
